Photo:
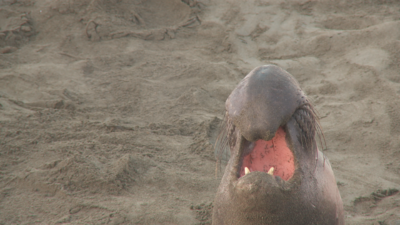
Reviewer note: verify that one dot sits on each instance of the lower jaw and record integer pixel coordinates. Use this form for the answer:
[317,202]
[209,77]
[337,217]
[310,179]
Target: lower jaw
[258,185]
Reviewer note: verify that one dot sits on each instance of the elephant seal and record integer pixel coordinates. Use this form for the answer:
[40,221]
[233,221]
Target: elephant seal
[275,174]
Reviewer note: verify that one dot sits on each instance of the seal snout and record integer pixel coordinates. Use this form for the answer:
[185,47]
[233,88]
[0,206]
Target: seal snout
[264,101]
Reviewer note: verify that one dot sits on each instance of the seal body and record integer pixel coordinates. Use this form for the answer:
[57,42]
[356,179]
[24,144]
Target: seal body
[276,174]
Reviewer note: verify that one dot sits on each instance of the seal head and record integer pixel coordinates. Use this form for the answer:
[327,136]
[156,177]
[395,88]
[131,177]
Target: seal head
[276,174]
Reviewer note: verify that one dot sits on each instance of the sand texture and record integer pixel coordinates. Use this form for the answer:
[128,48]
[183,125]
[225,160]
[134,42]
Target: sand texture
[109,109]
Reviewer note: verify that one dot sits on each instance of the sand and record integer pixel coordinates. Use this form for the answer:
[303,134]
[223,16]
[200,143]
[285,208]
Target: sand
[109,108]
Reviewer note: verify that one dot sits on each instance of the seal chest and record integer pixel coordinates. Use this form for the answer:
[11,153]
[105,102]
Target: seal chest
[276,174]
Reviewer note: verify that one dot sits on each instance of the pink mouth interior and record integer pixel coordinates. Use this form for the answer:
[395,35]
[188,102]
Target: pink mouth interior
[273,153]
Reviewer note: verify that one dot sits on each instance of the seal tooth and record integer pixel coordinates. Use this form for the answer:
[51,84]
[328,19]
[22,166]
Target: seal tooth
[246,170]
[271,171]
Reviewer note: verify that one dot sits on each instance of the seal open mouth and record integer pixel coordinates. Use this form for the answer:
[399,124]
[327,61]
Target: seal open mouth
[273,157]
[258,111]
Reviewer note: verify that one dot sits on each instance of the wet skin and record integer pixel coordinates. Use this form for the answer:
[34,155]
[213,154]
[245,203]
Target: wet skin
[269,123]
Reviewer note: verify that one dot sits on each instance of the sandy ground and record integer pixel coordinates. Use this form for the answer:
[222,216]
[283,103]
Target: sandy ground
[109,108]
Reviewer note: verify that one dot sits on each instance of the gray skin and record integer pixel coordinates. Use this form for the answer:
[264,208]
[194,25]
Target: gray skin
[266,99]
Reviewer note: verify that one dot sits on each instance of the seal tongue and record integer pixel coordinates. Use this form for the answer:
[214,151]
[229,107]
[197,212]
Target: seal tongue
[271,156]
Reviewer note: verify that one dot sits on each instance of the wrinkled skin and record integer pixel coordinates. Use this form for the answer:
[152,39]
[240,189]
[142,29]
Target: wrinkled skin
[266,100]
